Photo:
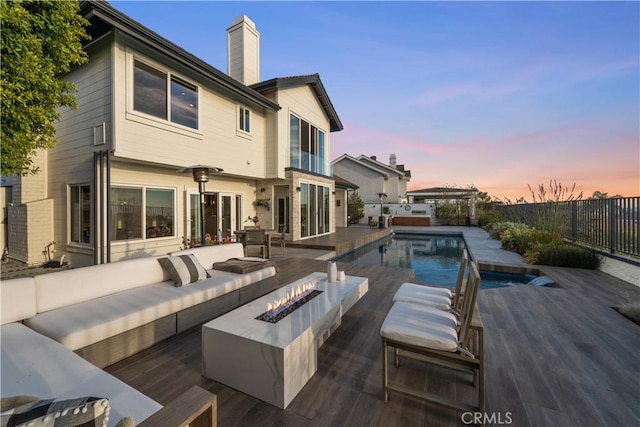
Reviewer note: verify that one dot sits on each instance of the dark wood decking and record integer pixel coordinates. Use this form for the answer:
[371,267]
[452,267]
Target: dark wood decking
[554,356]
[343,240]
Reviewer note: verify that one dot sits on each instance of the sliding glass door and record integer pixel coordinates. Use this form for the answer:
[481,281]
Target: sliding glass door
[314,210]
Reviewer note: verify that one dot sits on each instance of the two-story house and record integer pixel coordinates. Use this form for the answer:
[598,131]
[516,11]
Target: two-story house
[374,177]
[110,189]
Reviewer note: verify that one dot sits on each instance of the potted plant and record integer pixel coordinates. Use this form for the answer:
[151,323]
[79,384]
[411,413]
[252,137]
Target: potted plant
[266,203]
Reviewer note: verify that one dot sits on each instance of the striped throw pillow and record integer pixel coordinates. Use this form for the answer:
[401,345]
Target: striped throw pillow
[183,269]
[83,411]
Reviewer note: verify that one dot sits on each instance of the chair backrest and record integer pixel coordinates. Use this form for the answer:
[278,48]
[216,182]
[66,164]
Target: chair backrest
[469,304]
[461,276]
[255,237]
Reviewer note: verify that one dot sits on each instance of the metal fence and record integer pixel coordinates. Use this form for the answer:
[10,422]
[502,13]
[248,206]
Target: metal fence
[607,224]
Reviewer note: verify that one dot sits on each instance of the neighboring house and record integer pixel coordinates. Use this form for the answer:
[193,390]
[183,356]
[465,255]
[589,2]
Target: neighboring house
[110,189]
[343,187]
[374,177]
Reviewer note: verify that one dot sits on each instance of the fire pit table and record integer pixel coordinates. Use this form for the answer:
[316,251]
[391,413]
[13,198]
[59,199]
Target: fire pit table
[270,353]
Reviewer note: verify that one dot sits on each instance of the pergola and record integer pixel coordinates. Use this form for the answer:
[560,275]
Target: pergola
[434,194]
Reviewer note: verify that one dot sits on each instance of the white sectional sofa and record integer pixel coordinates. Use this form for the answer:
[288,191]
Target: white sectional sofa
[58,329]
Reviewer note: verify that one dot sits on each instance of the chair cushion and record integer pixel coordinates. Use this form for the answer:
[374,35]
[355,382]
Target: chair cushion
[436,297]
[83,411]
[421,326]
[183,269]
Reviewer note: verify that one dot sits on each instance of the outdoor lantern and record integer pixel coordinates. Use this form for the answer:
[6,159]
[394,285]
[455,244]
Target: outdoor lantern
[201,175]
[381,219]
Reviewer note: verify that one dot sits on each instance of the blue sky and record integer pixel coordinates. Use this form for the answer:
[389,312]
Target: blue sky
[493,94]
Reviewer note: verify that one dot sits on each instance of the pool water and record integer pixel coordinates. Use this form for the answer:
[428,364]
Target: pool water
[435,259]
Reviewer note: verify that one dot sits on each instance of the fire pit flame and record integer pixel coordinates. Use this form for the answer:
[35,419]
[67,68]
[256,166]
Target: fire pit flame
[279,305]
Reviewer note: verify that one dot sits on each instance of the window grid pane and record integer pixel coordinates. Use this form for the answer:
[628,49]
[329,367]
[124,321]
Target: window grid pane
[184,104]
[159,213]
[126,213]
[150,90]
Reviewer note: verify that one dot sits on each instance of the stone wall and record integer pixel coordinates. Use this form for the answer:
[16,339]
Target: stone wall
[30,230]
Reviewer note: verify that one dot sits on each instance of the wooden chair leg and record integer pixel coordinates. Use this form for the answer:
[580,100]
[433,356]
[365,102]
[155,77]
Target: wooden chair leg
[385,378]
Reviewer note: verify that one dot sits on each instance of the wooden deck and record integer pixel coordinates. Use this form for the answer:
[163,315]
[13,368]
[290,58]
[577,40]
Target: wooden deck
[343,240]
[554,356]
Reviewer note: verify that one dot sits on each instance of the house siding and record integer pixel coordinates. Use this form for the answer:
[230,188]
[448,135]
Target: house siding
[370,182]
[217,141]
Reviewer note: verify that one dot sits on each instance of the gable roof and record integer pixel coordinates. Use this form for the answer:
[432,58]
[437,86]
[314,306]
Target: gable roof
[312,80]
[102,17]
[363,164]
[380,165]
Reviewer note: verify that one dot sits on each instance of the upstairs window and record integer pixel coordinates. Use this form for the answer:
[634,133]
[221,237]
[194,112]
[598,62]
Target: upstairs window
[244,119]
[307,146]
[164,96]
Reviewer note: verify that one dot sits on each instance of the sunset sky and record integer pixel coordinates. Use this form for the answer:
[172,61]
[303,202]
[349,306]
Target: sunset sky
[493,94]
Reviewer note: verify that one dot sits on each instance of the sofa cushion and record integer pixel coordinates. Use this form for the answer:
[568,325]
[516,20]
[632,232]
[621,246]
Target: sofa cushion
[35,365]
[86,323]
[83,411]
[17,299]
[183,269]
[69,287]
[209,254]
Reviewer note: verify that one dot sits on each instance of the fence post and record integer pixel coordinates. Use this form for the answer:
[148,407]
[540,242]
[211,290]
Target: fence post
[574,220]
[613,220]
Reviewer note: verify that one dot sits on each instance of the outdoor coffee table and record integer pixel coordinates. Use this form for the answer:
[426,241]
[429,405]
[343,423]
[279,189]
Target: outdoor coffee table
[273,361]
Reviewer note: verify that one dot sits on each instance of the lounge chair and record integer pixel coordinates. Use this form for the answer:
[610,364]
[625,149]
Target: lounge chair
[441,298]
[415,332]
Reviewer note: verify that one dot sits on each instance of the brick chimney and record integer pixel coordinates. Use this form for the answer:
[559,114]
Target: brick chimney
[243,51]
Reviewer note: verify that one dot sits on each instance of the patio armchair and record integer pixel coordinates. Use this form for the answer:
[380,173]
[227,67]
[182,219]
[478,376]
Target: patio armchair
[438,297]
[415,332]
[255,238]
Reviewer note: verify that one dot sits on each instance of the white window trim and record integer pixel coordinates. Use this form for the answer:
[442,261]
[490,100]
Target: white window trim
[91,212]
[144,237]
[148,119]
[239,131]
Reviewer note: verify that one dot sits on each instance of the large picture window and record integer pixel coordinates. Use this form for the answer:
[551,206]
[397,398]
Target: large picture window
[80,213]
[142,213]
[155,90]
[307,146]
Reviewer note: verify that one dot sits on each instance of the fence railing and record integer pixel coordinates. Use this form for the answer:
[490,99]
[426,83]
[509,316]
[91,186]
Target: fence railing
[608,224]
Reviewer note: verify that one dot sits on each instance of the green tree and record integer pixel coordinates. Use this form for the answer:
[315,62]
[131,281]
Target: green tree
[41,40]
[601,195]
[355,207]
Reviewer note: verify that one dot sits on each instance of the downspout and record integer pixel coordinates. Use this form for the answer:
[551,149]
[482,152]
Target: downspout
[108,196]
[97,167]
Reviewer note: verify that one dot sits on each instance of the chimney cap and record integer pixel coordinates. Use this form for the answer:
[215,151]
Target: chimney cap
[243,18]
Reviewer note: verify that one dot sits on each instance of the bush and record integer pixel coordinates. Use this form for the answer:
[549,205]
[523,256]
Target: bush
[562,255]
[512,235]
[532,237]
[487,217]
[497,228]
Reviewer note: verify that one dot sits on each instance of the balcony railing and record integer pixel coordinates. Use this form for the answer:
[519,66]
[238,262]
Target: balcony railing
[610,225]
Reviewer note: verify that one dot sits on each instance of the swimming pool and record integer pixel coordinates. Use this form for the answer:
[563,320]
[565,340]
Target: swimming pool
[435,259]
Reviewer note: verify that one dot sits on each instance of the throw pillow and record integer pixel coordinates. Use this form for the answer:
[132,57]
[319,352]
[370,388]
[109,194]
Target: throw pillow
[183,269]
[80,412]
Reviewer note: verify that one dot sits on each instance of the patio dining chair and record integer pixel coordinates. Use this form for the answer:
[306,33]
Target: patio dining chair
[279,239]
[438,297]
[255,238]
[413,331]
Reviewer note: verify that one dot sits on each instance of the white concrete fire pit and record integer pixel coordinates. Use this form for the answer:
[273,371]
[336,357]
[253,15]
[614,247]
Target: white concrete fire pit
[273,361]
